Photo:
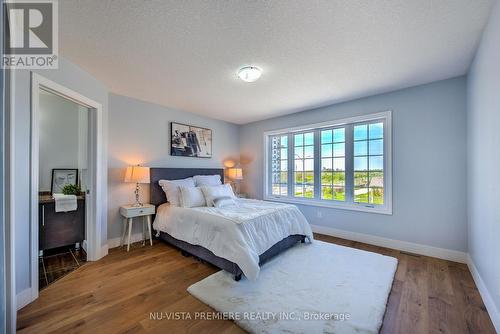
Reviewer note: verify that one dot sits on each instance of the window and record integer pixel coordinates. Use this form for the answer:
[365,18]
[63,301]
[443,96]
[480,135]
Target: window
[333,164]
[303,169]
[280,165]
[344,164]
[369,163]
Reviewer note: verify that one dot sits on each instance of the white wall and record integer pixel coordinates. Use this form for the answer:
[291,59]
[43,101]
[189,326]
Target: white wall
[59,137]
[139,134]
[429,159]
[483,120]
[68,75]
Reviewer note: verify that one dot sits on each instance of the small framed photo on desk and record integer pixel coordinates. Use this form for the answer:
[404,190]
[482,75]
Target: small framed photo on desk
[62,177]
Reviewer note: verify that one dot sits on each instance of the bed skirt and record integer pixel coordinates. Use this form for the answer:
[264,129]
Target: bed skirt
[207,256]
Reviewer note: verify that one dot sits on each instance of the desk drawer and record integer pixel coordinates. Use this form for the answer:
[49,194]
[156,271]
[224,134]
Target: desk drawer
[136,212]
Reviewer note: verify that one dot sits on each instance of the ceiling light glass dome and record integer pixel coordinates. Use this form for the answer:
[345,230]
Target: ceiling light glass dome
[249,73]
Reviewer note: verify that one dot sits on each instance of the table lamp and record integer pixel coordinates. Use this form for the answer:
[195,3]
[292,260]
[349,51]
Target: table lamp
[235,174]
[137,174]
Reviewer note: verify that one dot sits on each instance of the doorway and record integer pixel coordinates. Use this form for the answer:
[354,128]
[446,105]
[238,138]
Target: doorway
[66,171]
[63,182]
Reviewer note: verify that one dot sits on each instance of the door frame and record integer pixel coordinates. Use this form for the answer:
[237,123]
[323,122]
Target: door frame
[95,215]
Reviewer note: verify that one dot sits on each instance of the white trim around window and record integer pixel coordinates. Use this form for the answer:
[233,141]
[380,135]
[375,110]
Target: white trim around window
[345,200]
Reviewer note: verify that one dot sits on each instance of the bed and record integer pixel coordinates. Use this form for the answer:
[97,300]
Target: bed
[238,239]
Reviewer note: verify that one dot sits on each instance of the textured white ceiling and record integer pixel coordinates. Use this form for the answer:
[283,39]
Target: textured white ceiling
[185,54]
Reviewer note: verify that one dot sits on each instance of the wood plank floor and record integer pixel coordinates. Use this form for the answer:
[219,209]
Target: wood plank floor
[117,294]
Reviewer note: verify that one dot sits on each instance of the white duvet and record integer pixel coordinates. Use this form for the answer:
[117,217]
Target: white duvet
[238,233]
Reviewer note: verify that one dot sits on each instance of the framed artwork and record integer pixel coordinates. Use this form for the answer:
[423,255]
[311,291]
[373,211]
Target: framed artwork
[62,177]
[190,141]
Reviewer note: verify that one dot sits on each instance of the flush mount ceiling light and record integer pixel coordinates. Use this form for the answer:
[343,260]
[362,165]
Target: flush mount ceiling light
[249,73]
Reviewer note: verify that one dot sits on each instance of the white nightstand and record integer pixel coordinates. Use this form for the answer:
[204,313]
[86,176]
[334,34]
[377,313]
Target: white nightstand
[129,212]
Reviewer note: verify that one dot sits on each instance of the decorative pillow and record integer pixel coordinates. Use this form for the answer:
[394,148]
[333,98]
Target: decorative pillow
[207,180]
[220,202]
[171,189]
[191,197]
[212,192]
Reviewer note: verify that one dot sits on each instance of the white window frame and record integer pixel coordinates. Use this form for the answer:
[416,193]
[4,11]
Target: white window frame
[386,208]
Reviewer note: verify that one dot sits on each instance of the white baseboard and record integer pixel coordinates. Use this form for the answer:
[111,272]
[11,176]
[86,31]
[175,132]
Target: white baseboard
[23,298]
[115,242]
[104,251]
[485,294]
[440,253]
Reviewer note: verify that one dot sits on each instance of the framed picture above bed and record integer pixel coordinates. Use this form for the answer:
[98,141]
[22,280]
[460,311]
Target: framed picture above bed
[190,141]
[62,177]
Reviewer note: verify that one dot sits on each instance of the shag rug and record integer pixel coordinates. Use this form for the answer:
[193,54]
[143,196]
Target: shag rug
[310,288]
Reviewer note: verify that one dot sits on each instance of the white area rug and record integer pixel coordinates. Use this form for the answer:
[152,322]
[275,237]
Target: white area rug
[311,288]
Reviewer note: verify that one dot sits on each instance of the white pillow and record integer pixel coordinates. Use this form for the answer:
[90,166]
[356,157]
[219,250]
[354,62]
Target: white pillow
[212,192]
[220,202]
[191,197]
[207,180]
[171,189]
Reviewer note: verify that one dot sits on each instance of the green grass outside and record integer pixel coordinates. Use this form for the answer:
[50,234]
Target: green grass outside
[333,185]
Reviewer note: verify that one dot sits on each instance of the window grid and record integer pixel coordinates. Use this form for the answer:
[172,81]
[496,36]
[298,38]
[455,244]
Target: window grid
[303,177]
[353,166]
[279,165]
[369,163]
[333,184]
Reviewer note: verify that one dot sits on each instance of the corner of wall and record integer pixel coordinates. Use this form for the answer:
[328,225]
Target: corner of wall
[488,300]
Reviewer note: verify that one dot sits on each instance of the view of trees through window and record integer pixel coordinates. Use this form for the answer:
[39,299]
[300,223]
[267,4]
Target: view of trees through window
[369,163]
[304,165]
[333,164]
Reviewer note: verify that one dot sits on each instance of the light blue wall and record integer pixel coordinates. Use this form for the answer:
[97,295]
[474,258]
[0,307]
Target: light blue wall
[137,131]
[429,164]
[483,121]
[139,134]
[72,77]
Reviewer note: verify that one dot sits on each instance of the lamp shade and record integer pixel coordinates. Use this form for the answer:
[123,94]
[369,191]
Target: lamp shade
[137,174]
[235,173]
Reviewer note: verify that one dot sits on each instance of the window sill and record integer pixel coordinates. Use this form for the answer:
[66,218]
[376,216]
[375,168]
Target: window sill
[332,205]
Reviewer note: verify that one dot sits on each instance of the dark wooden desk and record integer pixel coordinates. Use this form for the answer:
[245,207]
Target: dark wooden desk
[57,229]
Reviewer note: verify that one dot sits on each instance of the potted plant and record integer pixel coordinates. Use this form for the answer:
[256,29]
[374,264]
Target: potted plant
[72,189]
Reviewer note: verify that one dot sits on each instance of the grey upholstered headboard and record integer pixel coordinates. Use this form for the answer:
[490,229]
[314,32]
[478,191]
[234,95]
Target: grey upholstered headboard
[156,174]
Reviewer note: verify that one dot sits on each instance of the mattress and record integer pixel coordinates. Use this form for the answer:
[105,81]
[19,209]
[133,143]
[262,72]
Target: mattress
[239,233]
